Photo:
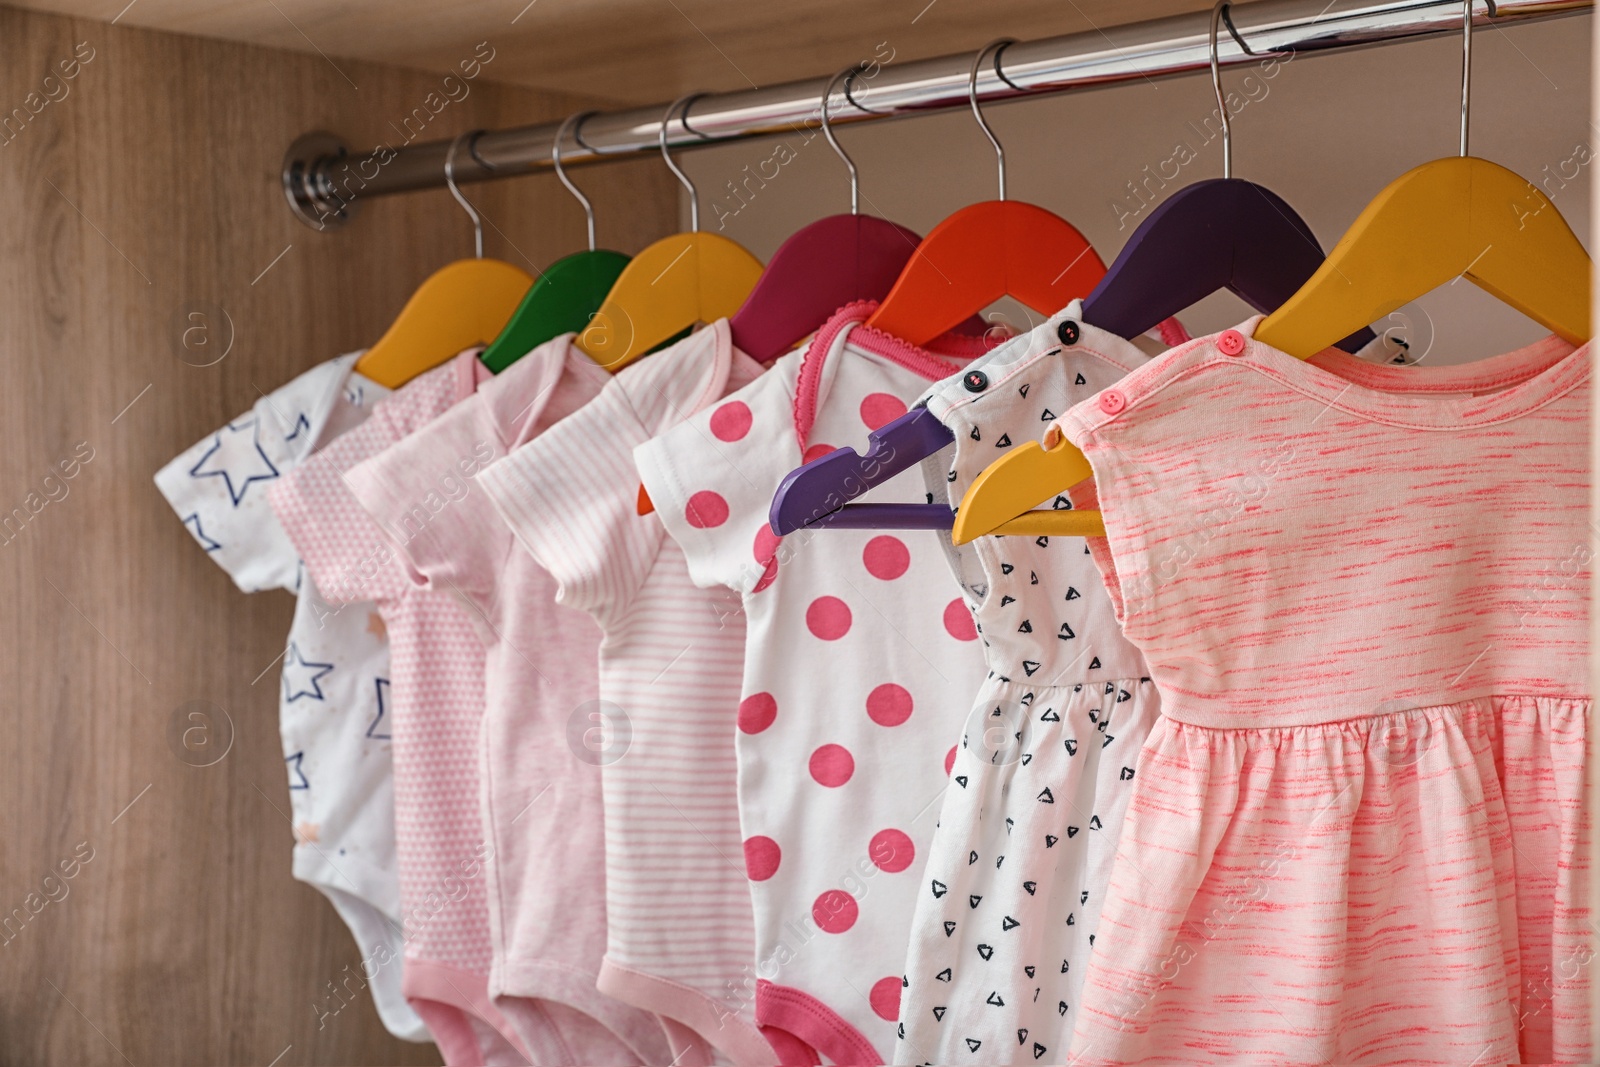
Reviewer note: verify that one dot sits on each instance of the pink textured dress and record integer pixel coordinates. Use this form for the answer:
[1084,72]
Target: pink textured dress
[1356,834]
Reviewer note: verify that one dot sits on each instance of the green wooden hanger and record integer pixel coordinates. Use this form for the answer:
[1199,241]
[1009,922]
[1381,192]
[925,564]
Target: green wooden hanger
[570,290]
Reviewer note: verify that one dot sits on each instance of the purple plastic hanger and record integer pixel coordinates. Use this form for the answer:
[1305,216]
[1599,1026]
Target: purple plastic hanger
[830,263]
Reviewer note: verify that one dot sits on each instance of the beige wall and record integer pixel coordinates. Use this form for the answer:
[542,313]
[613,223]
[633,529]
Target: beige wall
[148,190]
[1326,133]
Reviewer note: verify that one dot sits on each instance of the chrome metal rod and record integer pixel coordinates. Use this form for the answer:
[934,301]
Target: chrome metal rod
[323,181]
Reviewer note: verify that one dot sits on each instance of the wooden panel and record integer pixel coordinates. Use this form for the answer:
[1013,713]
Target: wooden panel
[632,50]
[145,190]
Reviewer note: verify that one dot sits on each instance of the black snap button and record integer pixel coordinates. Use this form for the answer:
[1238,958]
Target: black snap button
[975,380]
[1068,332]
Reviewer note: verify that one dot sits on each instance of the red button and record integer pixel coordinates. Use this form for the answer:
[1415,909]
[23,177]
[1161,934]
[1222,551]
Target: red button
[1112,401]
[1230,342]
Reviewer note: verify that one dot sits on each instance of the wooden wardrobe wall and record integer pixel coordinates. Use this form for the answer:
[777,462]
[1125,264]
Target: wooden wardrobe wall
[138,192]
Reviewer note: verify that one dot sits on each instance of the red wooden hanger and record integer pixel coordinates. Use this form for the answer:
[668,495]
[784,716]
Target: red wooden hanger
[986,251]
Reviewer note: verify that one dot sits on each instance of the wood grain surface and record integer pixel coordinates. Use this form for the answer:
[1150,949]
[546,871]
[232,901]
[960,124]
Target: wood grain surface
[142,190]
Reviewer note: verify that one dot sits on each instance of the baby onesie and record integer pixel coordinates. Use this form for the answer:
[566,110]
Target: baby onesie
[681,936]
[859,667]
[540,802]
[333,687]
[1357,832]
[435,704]
[1017,869]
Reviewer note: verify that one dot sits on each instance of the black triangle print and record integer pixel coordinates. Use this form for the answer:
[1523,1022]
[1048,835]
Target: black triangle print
[1094,664]
[1094,822]
[1045,796]
[1070,922]
[1061,1007]
[1023,392]
[1072,593]
[905,982]
[951,476]
[1064,964]
[986,951]
[1038,1050]
[1072,831]
[1030,887]
[1083,898]
[1008,923]
[1026,700]
[901,1029]
[997,712]
[929,496]
[1123,694]
[1081,380]
[1072,747]
[938,1013]
[1047,416]
[1065,633]
[972,857]
[998,861]
[1010,822]
[1033,578]
[995,999]
[1042,542]
[1061,503]
[939,888]
[1004,600]
[1025,628]
[1022,1036]
[942,976]
[974,898]
[1028,970]
[1006,568]
[973,1044]
[1091,941]
[1050,840]
[949,928]
[1027,758]
[1050,716]
[1107,739]
[1004,442]
[1127,774]
[974,434]
[1029,666]
[961,780]
[1094,714]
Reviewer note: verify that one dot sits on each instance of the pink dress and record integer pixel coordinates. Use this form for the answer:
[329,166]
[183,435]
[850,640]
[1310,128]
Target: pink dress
[1357,834]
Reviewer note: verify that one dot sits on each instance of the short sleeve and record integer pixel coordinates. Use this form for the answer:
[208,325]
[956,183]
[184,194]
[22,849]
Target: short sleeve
[571,495]
[219,486]
[712,479]
[422,491]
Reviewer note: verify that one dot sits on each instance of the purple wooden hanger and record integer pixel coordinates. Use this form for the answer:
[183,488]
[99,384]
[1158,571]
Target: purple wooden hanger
[824,266]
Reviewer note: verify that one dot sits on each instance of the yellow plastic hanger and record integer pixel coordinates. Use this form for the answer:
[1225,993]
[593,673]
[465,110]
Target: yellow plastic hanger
[464,304]
[676,282]
[1444,219]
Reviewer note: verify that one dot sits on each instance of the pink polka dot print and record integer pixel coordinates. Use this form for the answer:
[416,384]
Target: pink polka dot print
[731,421]
[891,851]
[816,452]
[757,711]
[706,510]
[958,621]
[828,617]
[761,858]
[885,999]
[766,553]
[880,408]
[889,705]
[886,557]
[832,765]
[835,911]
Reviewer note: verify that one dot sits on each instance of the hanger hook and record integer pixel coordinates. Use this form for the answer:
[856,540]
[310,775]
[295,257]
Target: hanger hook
[450,180]
[827,131]
[999,45]
[1466,65]
[1216,84]
[684,102]
[555,158]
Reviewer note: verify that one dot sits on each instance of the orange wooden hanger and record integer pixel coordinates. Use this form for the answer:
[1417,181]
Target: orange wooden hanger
[460,305]
[986,251]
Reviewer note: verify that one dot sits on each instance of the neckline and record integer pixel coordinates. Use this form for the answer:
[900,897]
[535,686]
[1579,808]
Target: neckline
[1486,391]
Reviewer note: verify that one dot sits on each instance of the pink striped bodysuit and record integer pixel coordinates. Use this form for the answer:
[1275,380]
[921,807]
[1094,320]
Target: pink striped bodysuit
[1356,833]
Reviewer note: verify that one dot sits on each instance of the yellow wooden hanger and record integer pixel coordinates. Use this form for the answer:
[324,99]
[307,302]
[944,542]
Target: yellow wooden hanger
[676,282]
[463,304]
[1444,219]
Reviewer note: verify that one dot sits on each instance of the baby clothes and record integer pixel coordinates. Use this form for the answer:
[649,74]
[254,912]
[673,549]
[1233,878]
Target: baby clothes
[435,704]
[681,936]
[541,803]
[1018,866]
[859,667]
[333,691]
[1357,832]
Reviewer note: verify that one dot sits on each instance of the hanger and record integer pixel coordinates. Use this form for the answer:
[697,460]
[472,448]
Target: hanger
[1219,233]
[986,251]
[569,291]
[822,267]
[458,306]
[1026,262]
[1453,217]
[674,283]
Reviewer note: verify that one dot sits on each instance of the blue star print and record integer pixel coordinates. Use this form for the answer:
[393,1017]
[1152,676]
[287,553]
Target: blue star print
[192,520]
[236,457]
[383,711]
[302,678]
[300,423]
[296,771]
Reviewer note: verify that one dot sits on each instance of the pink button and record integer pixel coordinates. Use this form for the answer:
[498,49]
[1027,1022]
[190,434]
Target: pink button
[1230,342]
[1112,401]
